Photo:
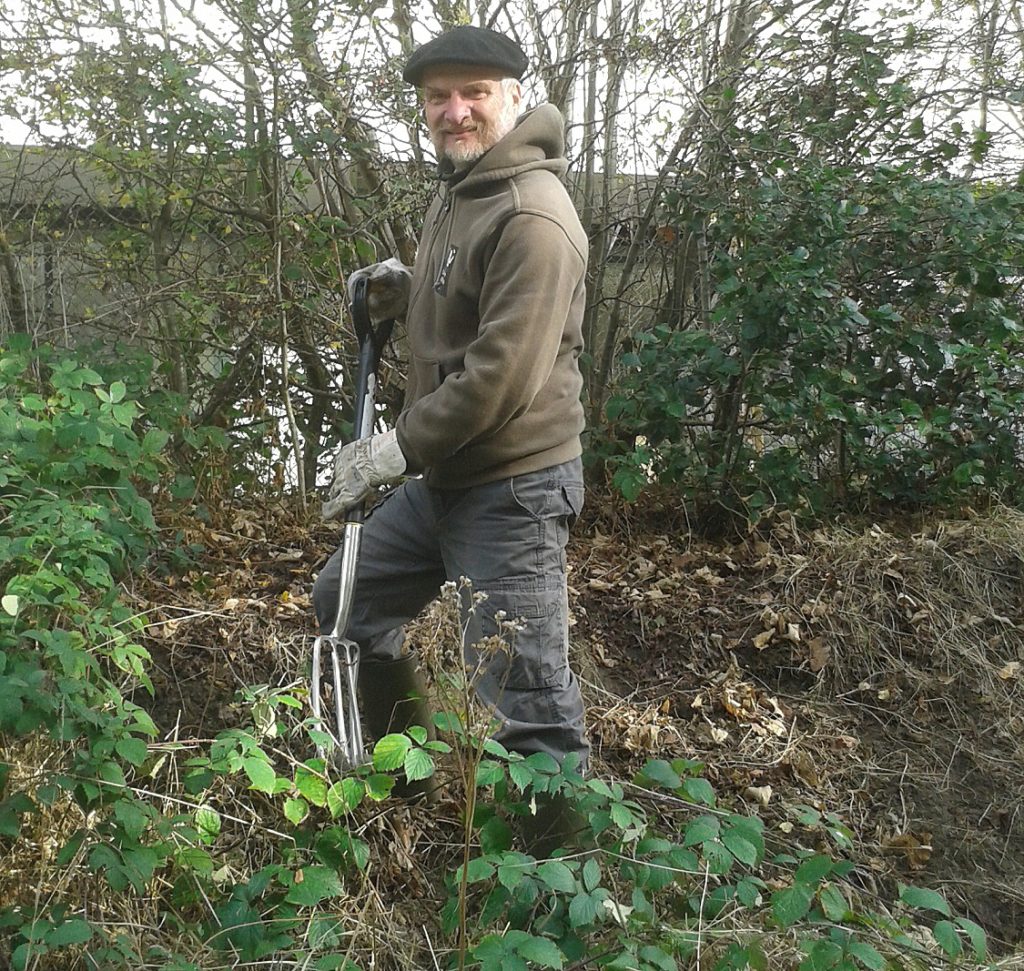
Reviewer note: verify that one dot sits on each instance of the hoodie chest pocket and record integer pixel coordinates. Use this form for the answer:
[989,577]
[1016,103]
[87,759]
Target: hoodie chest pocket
[426,375]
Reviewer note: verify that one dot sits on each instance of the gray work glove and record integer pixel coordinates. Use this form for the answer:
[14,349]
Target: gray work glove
[388,292]
[360,467]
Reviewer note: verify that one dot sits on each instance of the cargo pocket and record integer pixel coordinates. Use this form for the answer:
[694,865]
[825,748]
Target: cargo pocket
[529,619]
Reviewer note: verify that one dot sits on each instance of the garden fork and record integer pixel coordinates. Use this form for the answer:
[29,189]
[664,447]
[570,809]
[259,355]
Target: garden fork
[344,652]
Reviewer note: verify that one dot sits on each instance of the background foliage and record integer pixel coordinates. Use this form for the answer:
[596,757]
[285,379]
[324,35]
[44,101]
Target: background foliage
[805,253]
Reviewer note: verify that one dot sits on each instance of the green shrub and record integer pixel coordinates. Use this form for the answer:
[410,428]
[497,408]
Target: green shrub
[863,350]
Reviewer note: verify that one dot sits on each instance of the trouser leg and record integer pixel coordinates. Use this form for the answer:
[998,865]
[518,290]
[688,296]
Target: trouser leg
[509,537]
[400,571]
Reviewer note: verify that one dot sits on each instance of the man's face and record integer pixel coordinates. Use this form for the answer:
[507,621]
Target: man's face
[468,110]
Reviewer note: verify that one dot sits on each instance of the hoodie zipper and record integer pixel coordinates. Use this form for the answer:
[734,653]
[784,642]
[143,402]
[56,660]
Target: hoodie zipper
[443,215]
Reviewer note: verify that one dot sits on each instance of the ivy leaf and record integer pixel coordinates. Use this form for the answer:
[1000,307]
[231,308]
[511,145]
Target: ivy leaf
[316,883]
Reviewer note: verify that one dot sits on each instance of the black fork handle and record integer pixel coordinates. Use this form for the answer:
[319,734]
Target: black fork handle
[371,345]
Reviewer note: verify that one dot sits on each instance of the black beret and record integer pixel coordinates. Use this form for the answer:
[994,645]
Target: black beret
[467,45]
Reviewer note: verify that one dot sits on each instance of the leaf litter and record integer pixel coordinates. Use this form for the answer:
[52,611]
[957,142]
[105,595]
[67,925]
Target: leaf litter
[873,672]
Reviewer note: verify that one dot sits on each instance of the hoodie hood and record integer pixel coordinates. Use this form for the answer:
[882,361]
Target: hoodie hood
[536,142]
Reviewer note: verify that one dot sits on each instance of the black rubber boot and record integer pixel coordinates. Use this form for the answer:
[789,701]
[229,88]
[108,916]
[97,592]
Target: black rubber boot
[394,699]
[557,825]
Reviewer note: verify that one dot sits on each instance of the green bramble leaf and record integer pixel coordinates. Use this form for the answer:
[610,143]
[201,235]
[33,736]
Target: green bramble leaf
[699,791]
[924,899]
[539,950]
[557,876]
[701,830]
[740,847]
[378,787]
[344,796]
[476,870]
[74,931]
[833,903]
[866,955]
[389,753]
[207,823]
[311,784]
[977,937]
[659,773]
[296,810]
[418,765]
[947,938]
[582,910]
[261,774]
[131,749]
[312,885]
[488,773]
[812,871]
[791,905]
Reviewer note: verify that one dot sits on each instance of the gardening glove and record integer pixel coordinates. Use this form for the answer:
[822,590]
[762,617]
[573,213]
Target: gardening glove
[388,290]
[360,467]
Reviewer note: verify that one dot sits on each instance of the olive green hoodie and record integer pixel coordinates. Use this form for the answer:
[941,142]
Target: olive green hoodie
[495,316]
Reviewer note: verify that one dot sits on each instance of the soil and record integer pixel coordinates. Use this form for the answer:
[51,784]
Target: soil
[858,671]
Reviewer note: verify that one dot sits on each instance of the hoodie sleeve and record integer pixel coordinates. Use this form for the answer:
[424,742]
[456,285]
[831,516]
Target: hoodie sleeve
[533,277]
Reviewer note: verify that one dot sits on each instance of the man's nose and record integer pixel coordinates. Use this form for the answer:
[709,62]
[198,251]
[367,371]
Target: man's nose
[457,109]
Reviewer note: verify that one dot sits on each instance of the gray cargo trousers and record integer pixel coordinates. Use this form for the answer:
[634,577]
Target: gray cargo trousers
[508,538]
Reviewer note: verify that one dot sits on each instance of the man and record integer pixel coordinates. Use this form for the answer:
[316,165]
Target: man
[492,415]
